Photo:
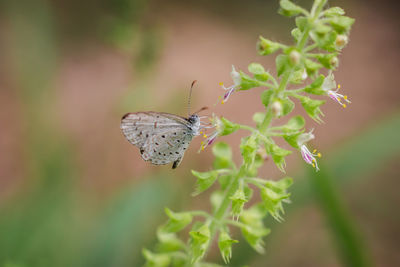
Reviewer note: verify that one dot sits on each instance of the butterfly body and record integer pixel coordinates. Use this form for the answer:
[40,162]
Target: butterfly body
[161,137]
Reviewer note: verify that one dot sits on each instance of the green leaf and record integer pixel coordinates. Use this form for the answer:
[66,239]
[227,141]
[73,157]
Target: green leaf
[228,127]
[256,68]
[168,241]
[216,199]
[199,240]
[296,33]
[266,97]
[315,87]
[302,23]
[296,123]
[258,117]
[312,107]
[282,64]
[291,139]
[289,9]
[259,73]
[156,260]
[334,11]
[287,106]
[225,245]
[177,221]
[312,67]
[247,82]
[204,181]
[223,155]
[254,229]
[341,24]
[267,47]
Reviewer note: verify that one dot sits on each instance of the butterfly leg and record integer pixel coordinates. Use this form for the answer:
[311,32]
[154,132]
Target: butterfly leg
[177,162]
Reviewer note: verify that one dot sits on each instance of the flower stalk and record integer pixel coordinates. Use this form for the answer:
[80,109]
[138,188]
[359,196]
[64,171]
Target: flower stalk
[322,29]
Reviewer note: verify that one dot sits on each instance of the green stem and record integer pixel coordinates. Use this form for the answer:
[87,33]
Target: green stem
[223,207]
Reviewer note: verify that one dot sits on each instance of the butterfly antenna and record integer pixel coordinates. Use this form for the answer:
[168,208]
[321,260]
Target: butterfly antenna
[190,96]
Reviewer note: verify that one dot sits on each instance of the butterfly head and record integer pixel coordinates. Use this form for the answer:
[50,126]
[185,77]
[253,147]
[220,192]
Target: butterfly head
[194,121]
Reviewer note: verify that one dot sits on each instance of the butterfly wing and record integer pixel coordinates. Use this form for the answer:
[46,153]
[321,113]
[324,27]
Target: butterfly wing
[167,146]
[161,137]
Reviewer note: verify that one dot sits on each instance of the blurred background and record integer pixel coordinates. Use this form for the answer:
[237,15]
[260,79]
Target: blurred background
[74,192]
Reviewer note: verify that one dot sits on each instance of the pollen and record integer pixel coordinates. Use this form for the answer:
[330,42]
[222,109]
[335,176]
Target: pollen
[221,83]
[338,86]
[345,97]
[314,151]
[344,105]
[319,155]
[313,165]
[222,102]
[204,135]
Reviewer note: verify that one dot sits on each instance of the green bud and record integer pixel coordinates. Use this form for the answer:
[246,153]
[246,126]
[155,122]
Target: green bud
[298,76]
[238,200]
[321,28]
[276,108]
[225,243]
[315,87]
[289,9]
[177,221]
[204,180]
[254,229]
[267,47]
[199,240]
[156,260]
[294,57]
[272,201]
[312,107]
[278,155]
[312,67]
[248,147]
[341,41]
[329,61]
[325,41]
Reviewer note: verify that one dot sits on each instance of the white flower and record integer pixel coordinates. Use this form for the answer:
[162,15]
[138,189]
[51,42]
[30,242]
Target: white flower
[237,80]
[308,156]
[328,85]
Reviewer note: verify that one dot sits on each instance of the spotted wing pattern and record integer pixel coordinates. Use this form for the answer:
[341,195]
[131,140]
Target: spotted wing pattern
[161,137]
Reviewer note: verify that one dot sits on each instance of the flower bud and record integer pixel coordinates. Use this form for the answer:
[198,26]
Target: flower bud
[295,57]
[334,62]
[276,108]
[341,40]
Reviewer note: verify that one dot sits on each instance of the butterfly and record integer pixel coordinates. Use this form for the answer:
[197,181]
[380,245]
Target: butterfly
[161,137]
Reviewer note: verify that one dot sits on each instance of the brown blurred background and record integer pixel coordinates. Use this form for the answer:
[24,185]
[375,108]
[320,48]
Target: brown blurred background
[74,192]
